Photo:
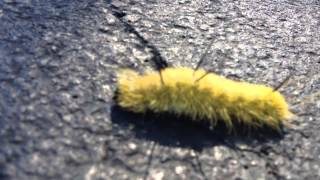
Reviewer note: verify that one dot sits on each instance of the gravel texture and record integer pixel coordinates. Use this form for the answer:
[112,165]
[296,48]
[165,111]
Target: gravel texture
[58,64]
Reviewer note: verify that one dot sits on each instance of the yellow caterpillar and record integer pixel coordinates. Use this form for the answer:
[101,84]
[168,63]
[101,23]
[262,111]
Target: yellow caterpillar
[202,96]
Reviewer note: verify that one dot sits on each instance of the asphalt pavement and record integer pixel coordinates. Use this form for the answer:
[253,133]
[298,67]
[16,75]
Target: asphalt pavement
[58,67]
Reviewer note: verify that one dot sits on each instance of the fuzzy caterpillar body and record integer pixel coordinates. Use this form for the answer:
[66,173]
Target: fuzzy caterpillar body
[213,98]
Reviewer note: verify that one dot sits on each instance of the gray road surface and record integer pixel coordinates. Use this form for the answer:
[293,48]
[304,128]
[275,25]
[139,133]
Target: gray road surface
[58,65]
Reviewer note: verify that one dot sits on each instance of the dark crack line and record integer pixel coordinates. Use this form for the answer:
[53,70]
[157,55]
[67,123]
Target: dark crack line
[157,58]
[120,163]
[263,153]
[274,170]
[153,146]
[199,167]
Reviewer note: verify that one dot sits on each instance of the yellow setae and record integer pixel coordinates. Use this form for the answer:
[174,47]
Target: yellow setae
[202,96]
